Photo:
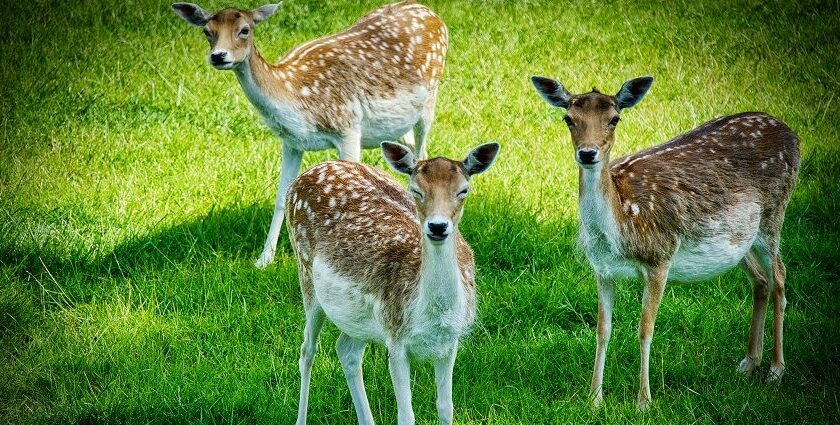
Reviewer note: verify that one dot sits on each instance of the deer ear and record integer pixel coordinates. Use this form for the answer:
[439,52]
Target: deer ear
[192,13]
[264,12]
[552,91]
[481,158]
[633,91]
[398,157]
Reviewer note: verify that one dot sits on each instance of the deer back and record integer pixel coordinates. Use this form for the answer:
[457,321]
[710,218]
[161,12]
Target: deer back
[396,51]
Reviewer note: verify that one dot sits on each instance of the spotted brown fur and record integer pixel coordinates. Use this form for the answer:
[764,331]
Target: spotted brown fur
[393,49]
[677,184]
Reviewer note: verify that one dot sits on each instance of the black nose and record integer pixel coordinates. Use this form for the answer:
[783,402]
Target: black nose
[218,57]
[587,156]
[438,229]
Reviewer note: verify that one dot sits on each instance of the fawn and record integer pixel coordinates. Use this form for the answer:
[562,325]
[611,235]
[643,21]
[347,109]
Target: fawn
[686,210]
[374,81]
[385,267]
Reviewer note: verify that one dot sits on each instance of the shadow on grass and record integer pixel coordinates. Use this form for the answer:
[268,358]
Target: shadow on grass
[234,232]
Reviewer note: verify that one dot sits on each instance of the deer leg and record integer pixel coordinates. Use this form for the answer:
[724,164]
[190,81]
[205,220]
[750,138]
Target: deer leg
[443,382]
[314,321]
[289,170]
[779,273]
[761,290]
[401,378]
[350,148]
[606,292]
[422,127]
[654,288]
[350,353]
[420,140]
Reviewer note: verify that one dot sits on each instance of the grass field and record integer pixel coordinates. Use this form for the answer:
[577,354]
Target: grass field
[137,183]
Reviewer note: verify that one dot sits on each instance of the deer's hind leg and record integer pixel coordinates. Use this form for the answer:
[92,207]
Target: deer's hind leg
[767,251]
[751,264]
[314,322]
[290,168]
[422,128]
[777,366]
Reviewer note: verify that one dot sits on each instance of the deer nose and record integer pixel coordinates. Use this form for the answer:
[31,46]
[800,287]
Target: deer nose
[587,156]
[218,57]
[437,230]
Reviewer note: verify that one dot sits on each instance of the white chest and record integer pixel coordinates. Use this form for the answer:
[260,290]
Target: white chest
[599,234]
[435,328]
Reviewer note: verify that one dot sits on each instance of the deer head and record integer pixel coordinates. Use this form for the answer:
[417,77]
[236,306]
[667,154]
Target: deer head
[229,31]
[592,117]
[439,185]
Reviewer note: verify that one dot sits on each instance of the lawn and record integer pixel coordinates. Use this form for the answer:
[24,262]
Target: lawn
[137,185]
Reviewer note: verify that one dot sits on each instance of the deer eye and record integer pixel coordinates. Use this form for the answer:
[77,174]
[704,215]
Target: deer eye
[568,121]
[614,121]
[207,33]
[416,193]
[463,193]
[243,33]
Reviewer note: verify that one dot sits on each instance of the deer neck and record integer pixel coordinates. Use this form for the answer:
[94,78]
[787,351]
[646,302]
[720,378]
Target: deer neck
[440,277]
[597,200]
[260,82]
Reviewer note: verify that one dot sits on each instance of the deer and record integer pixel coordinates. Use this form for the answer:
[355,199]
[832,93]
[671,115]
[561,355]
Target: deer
[386,266]
[687,210]
[374,81]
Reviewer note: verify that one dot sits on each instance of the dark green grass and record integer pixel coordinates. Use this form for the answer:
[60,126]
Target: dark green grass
[136,186]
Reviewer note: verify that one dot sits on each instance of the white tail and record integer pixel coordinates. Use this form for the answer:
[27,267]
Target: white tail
[690,209]
[372,82]
[386,268]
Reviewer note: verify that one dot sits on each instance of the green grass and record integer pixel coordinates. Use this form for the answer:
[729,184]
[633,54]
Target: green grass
[136,187]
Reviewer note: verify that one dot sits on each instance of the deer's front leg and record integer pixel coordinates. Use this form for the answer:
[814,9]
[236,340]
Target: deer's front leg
[606,292]
[289,170]
[350,147]
[654,288]
[443,381]
[401,378]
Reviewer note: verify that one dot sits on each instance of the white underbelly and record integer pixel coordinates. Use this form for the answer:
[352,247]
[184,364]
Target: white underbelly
[390,119]
[708,257]
[314,141]
[352,311]
[723,243]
